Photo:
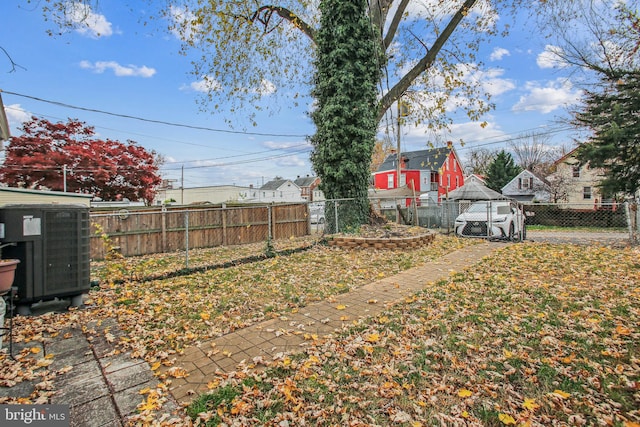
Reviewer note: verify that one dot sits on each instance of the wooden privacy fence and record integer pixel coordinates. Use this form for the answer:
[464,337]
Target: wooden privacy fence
[159,230]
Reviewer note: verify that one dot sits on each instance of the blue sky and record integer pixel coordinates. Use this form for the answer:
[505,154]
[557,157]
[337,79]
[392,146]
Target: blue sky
[121,67]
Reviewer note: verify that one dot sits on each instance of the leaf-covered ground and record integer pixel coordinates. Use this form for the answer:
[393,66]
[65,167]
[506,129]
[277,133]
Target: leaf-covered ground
[537,335]
[160,317]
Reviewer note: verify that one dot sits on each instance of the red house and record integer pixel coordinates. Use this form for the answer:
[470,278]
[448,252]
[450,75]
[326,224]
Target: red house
[431,173]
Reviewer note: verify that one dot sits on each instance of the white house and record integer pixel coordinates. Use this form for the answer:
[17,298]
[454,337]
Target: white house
[575,183]
[527,187]
[278,190]
[215,194]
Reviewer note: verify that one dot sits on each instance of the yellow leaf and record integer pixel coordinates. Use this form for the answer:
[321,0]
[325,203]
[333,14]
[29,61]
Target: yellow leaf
[343,318]
[561,394]
[506,419]
[622,330]
[464,392]
[465,414]
[530,404]
[156,365]
[372,301]
[145,390]
[381,274]
[205,316]
[373,338]
[341,307]
[35,350]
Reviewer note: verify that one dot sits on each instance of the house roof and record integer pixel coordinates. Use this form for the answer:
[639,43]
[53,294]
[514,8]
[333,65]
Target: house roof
[431,159]
[527,173]
[306,181]
[570,154]
[475,191]
[275,184]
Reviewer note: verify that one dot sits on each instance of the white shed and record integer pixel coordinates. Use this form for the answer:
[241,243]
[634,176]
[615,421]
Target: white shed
[12,196]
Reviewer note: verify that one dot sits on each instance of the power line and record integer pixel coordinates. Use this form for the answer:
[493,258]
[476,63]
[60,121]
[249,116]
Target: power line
[126,116]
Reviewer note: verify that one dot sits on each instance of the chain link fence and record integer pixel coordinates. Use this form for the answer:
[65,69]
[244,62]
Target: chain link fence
[622,218]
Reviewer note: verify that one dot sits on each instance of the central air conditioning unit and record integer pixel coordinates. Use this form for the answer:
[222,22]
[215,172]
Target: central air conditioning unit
[52,244]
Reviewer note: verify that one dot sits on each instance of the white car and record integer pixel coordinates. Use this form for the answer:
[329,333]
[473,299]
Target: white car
[492,219]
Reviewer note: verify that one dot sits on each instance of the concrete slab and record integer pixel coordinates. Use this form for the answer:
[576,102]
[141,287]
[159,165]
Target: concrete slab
[95,413]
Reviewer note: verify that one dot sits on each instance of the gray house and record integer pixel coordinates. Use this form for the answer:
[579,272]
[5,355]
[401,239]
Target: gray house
[527,187]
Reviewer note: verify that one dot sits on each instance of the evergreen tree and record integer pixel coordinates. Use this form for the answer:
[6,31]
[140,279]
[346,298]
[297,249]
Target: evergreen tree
[614,116]
[501,170]
[345,90]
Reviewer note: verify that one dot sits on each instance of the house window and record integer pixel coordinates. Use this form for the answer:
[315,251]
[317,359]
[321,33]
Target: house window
[455,166]
[576,171]
[390,181]
[448,181]
[457,181]
[586,193]
[525,183]
[403,180]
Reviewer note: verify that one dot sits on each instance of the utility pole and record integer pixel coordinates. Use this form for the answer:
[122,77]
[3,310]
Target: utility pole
[182,186]
[398,170]
[64,178]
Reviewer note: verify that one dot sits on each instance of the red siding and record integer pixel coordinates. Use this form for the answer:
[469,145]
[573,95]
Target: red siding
[450,171]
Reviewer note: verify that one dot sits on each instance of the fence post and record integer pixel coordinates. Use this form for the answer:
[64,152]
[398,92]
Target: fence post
[164,228]
[270,236]
[633,217]
[224,226]
[335,211]
[186,238]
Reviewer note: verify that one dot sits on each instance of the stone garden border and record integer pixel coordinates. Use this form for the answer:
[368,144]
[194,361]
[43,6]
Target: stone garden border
[353,242]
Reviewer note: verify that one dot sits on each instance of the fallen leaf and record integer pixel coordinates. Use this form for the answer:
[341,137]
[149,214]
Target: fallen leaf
[464,392]
[506,419]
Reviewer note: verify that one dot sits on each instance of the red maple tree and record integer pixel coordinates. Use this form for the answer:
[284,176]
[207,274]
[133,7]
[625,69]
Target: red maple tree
[111,170]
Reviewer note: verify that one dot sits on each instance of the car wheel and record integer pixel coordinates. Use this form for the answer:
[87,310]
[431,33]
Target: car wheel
[511,231]
[524,232]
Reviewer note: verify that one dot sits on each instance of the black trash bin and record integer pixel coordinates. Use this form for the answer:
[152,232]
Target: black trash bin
[52,244]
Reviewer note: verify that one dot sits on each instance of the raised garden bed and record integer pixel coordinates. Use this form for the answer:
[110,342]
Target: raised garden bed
[384,238]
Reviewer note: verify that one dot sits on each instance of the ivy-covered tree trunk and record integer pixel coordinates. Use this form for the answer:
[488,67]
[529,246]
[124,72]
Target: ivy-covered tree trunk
[347,71]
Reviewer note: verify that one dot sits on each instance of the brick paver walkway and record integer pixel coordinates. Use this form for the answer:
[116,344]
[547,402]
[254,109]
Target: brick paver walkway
[275,337]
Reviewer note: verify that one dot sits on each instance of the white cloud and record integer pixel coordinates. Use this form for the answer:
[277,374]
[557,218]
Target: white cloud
[266,88]
[272,145]
[551,57]
[16,115]
[181,23]
[499,53]
[204,85]
[87,22]
[555,94]
[119,70]
[474,132]
[492,83]
[290,161]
